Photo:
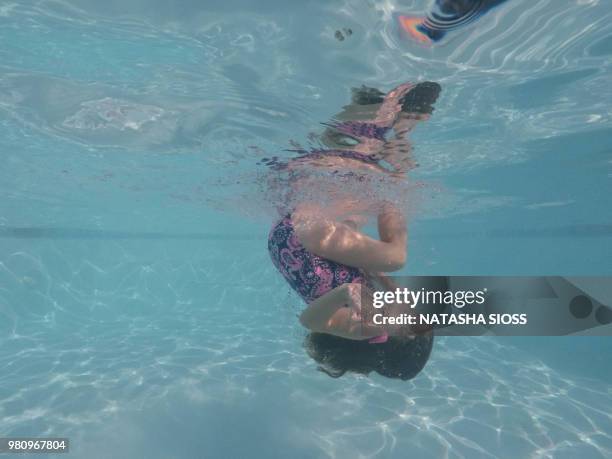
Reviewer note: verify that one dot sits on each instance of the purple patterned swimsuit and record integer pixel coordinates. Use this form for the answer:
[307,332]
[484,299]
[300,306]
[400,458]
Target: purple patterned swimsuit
[356,129]
[310,275]
[359,129]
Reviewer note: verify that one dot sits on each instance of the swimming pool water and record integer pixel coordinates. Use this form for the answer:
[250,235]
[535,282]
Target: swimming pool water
[140,315]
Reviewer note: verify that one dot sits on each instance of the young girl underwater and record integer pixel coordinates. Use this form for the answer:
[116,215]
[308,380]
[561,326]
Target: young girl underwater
[320,249]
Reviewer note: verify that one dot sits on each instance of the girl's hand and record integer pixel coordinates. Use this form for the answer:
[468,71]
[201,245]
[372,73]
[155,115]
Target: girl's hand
[353,299]
[355,325]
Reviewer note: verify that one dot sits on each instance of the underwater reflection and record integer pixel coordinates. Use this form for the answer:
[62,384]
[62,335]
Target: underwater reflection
[443,17]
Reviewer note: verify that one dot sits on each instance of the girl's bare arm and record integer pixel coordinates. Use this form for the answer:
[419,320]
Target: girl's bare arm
[343,244]
[330,314]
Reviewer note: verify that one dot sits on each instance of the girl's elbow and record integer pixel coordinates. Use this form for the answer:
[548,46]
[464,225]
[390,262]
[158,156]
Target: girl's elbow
[396,261]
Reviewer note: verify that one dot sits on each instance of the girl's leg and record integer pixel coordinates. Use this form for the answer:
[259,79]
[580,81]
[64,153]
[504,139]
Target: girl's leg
[416,106]
[344,244]
[398,150]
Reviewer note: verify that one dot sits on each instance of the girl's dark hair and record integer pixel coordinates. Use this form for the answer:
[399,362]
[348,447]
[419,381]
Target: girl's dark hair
[366,96]
[400,358]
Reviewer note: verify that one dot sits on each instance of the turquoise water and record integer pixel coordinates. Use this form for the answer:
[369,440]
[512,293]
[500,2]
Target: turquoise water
[140,315]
